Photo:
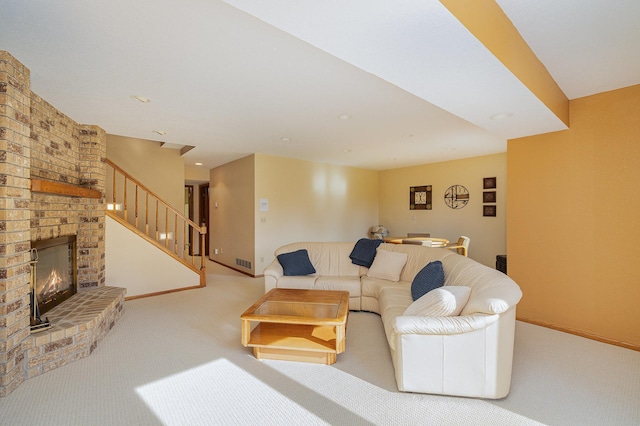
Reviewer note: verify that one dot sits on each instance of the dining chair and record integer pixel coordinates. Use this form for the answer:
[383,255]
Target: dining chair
[462,246]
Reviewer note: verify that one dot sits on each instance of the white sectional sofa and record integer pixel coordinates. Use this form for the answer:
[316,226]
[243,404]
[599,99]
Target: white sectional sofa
[469,354]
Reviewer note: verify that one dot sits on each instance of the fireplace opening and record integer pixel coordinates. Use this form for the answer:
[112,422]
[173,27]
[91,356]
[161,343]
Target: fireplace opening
[55,277]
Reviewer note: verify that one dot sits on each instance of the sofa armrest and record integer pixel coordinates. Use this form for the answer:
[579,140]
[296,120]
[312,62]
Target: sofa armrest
[442,325]
[272,274]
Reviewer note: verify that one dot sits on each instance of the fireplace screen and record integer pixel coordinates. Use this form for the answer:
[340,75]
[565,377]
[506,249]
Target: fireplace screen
[55,278]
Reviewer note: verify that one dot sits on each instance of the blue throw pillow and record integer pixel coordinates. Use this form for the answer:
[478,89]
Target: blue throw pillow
[430,277]
[296,263]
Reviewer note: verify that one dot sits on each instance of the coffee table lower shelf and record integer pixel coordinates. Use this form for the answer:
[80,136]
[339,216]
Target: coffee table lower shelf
[295,342]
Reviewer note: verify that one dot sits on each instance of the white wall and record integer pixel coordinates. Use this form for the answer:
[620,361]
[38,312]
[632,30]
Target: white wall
[135,264]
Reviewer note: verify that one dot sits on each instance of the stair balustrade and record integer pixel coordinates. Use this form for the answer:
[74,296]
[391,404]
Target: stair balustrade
[138,208]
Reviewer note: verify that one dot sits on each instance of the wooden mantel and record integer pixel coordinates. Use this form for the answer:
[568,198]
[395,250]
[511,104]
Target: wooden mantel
[49,187]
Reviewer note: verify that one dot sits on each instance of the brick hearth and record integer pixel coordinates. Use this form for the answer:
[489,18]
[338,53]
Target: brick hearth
[78,325]
[38,141]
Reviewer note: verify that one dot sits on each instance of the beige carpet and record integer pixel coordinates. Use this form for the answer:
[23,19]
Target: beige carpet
[176,359]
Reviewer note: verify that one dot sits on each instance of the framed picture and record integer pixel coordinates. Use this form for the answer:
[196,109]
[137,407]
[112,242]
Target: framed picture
[489,211]
[489,183]
[489,197]
[420,197]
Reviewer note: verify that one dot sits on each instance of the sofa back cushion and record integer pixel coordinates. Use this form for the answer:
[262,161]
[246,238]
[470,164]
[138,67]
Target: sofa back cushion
[492,292]
[417,257]
[328,258]
[441,302]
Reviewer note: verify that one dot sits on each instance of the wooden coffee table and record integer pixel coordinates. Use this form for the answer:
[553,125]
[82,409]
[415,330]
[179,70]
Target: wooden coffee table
[297,325]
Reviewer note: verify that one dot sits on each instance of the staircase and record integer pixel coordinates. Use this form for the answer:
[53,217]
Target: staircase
[140,210]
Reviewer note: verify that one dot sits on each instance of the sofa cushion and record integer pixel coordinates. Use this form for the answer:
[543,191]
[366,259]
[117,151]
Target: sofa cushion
[387,265]
[441,302]
[328,258]
[429,278]
[298,281]
[418,257]
[350,284]
[364,251]
[296,263]
[491,293]
[394,300]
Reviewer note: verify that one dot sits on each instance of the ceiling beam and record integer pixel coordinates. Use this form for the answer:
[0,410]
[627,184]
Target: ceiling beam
[491,26]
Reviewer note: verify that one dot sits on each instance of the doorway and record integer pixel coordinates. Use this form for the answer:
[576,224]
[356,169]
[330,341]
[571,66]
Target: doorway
[204,214]
[188,212]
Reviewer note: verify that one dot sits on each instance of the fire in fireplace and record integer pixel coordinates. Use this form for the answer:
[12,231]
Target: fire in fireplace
[55,271]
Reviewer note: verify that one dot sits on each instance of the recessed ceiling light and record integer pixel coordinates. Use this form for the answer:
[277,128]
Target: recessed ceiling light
[140,99]
[501,116]
[160,132]
[285,139]
[198,164]
[344,117]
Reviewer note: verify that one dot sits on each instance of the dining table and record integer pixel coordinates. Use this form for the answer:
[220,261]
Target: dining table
[425,241]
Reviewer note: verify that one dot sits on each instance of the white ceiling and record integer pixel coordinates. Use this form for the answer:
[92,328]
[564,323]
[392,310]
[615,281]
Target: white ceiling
[235,77]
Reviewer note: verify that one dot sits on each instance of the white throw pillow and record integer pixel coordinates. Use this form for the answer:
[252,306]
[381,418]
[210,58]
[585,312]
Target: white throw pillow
[441,302]
[387,265]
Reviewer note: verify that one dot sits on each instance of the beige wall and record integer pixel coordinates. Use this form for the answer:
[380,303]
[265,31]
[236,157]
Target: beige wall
[487,234]
[307,201]
[196,174]
[231,213]
[310,201]
[160,169]
[573,226]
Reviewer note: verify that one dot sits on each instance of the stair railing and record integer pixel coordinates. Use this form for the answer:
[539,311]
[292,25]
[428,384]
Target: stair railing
[138,208]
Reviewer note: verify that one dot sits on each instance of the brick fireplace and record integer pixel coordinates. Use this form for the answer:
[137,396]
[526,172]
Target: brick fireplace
[53,278]
[41,143]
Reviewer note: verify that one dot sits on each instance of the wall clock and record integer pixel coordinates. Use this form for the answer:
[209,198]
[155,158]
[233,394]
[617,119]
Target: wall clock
[456,196]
